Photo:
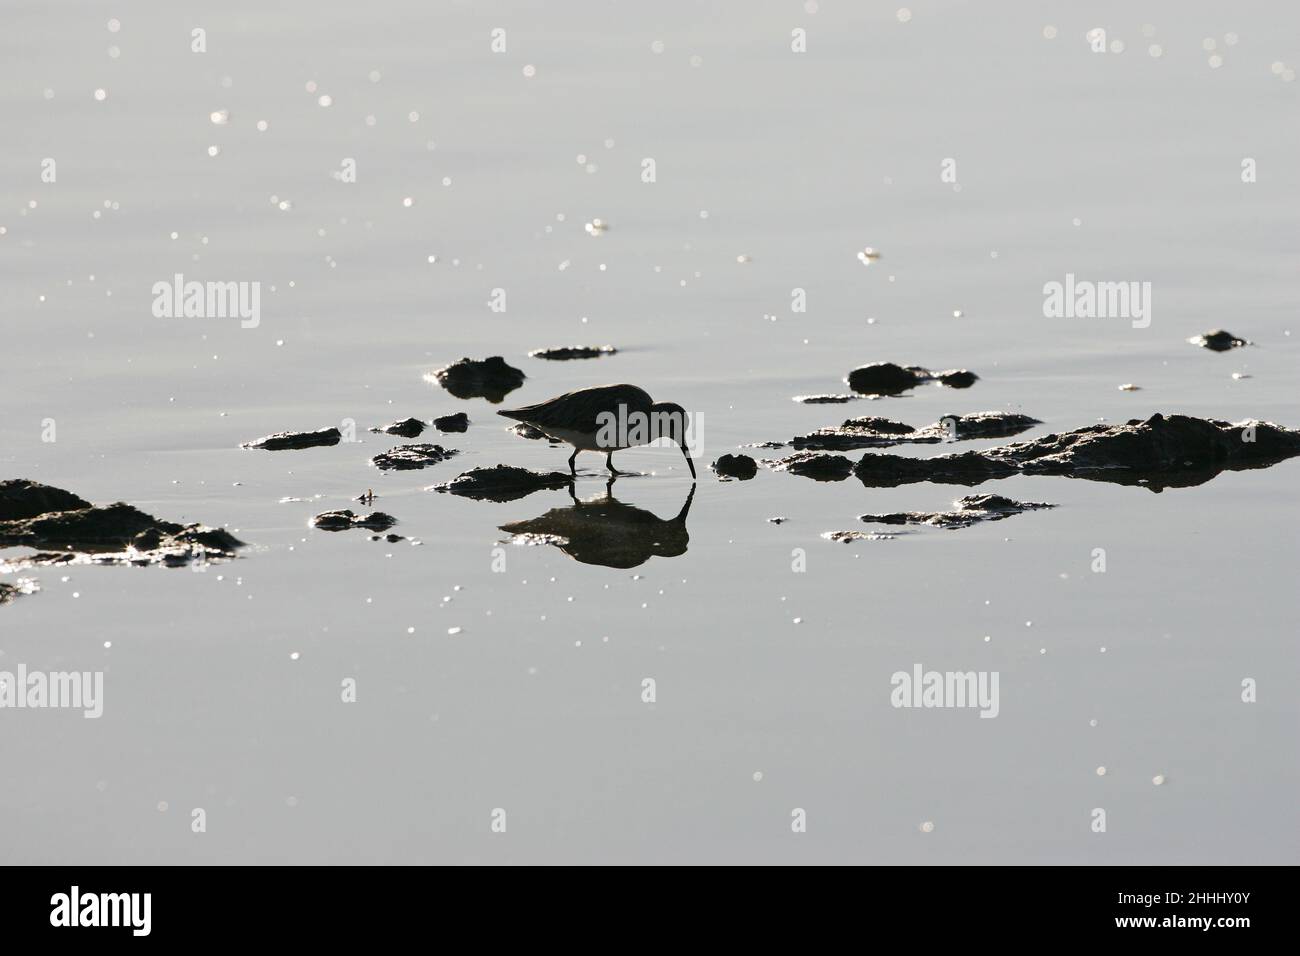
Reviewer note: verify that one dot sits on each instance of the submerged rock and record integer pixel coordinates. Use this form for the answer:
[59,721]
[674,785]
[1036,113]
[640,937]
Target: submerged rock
[345,520]
[740,467]
[575,352]
[283,441]
[406,428]
[458,422]
[502,483]
[1163,451]
[1218,341]
[972,509]
[819,467]
[490,378]
[411,457]
[886,378]
[874,432]
[112,534]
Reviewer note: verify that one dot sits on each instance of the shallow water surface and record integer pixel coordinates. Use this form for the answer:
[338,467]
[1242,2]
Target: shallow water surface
[493,675]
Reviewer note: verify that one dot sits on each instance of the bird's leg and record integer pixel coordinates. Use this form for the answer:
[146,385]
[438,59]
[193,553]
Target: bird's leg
[609,463]
[573,460]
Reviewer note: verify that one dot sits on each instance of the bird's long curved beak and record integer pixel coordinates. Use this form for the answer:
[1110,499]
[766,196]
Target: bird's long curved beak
[686,453]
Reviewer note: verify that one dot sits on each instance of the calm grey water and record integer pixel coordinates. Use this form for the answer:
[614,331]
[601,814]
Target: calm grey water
[222,688]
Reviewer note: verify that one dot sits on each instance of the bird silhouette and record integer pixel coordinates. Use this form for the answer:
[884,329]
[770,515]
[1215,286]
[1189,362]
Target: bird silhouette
[606,418]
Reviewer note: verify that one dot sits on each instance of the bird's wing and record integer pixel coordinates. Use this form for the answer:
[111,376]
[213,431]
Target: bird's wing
[580,411]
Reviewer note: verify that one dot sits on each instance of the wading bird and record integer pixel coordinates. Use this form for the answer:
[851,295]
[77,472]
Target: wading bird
[606,418]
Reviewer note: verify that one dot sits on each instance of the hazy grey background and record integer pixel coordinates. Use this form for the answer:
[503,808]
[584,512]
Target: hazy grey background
[799,160]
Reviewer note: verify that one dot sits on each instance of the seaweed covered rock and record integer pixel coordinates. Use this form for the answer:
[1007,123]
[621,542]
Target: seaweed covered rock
[406,428]
[346,520]
[815,465]
[459,422]
[490,378]
[412,457]
[113,534]
[1162,451]
[23,498]
[873,432]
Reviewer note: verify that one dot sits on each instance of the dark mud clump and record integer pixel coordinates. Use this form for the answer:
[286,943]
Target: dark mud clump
[502,483]
[411,457]
[956,378]
[406,428]
[21,498]
[1218,341]
[575,352]
[886,378]
[972,509]
[112,534]
[819,467]
[874,432]
[284,441]
[345,520]
[490,378]
[740,467]
[826,399]
[452,423]
[1175,451]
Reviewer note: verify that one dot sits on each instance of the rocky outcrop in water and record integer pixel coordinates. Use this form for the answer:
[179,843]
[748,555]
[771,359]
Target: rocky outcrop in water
[873,432]
[819,467]
[886,378]
[22,498]
[406,428]
[490,378]
[740,467]
[973,509]
[111,534]
[502,483]
[1218,341]
[566,354]
[285,441]
[458,422]
[1163,451]
[412,457]
[346,520]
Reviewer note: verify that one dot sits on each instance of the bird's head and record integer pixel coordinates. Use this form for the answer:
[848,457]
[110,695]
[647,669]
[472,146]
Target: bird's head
[669,420]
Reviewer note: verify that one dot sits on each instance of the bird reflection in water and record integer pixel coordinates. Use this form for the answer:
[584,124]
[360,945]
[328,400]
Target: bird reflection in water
[606,531]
